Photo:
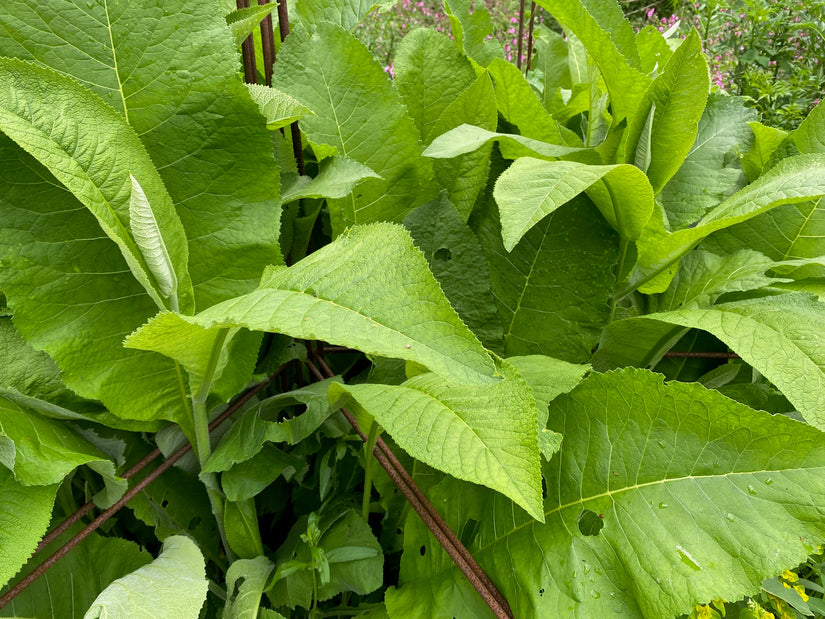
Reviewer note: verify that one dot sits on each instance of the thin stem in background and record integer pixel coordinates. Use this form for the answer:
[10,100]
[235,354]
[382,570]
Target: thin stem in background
[268,45]
[422,506]
[530,36]
[520,31]
[297,149]
[250,73]
[130,494]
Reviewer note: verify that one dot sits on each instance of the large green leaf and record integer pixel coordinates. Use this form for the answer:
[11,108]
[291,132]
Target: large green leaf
[779,335]
[531,189]
[485,434]
[610,40]
[472,31]
[465,176]
[56,130]
[173,585]
[245,584]
[171,70]
[359,113]
[793,180]
[661,497]
[430,73]
[277,107]
[457,261]
[711,171]
[345,13]
[552,289]
[677,97]
[42,451]
[23,521]
[371,290]
[468,138]
[337,178]
[68,588]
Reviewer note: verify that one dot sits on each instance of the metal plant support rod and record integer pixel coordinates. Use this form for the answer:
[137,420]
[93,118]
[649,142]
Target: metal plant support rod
[128,496]
[297,149]
[432,519]
[520,31]
[248,47]
[701,355]
[530,35]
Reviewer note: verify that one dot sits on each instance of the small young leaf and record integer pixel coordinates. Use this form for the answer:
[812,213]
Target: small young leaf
[242,22]
[277,107]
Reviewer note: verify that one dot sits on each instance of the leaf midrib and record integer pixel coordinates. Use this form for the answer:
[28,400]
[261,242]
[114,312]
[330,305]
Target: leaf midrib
[114,62]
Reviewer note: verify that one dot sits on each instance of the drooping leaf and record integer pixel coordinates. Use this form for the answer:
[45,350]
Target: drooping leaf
[336,178]
[531,189]
[384,302]
[472,29]
[172,72]
[469,138]
[465,176]
[610,41]
[58,133]
[345,13]
[356,111]
[354,557]
[71,585]
[661,497]
[430,73]
[173,585]
[41,451]
[24,519]
[243,22]
[765,142]
[247,437]
[245,584]
[796,179]
[457,260]
[711,171]
[552,290]
[277,107]
[486,434]
[679,94]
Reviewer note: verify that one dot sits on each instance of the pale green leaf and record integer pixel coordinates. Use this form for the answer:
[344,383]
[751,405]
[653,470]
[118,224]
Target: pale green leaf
[149,239]
[24,519]
[765,142]
[49,116]
[345,13]
[277,107]
[676,99]
[472,29]
[531,189]
[173,75]
[457,261]
[356,562]
[610,41]
[552,59]
[430,73]
[244,597]
[173,585]
[700,498]
[243,22]
[486,435]
[42,451]
[371,289]
[359,113]
[468,138]
[793,180]
[552,290]
[337,178]
[711,171]
[68,588]
[653,49]
[643,147]
[465,176]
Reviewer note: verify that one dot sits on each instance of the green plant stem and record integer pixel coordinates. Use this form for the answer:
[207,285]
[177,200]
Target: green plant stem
[368,459]
[623,247]
[203,446]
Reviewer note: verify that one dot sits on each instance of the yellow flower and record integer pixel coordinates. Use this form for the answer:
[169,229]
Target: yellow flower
[790,576]
[704,612]
[801,591]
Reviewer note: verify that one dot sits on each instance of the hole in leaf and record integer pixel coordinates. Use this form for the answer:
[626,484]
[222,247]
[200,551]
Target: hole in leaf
[422,550]
[543,488]
[164,503]
[541,592]
[443,254]
[590,523]
[469,531]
